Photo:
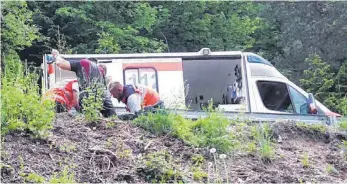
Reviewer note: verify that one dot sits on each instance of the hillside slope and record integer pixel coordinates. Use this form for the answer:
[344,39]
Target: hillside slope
[123,152]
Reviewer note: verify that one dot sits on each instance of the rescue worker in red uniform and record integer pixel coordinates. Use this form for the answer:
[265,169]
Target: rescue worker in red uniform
[137,98]
[66,97]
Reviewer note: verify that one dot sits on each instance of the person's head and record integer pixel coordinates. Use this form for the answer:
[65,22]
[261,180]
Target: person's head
[103,68]
[116,90]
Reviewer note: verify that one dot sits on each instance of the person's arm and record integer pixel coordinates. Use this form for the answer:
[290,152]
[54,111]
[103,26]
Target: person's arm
[75,92]
[64,64]
[61,63]
[134,103]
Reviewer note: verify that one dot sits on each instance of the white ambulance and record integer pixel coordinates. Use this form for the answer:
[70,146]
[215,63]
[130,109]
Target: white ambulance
[234,80]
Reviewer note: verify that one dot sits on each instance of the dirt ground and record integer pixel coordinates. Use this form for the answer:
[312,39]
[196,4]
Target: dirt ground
[114,154]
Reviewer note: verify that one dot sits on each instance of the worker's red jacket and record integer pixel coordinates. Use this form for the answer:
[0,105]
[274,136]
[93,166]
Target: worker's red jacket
[63,95]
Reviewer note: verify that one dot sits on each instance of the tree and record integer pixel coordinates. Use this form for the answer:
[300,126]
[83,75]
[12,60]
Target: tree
[17,30]
[323,82]
[308,27]
[191,26]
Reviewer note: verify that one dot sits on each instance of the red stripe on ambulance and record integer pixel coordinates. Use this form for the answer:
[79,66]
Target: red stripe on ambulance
[159,66]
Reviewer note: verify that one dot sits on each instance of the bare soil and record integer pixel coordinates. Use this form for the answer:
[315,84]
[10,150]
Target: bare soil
[114,154]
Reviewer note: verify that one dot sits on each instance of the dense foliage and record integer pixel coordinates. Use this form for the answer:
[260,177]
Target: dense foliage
[21,104]
[286,33]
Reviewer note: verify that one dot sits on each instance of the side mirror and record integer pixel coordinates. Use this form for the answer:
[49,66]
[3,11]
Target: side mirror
[311,103]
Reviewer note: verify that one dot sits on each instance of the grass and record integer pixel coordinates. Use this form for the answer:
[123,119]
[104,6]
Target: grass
[331,169]
[206,132]
[63,177]
[343,125]
[312,127]
[305,161]
[159,167]
[213,131]
[262,143]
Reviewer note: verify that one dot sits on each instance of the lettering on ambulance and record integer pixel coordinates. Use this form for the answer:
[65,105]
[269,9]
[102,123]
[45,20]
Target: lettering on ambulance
[144,76]
[146,72]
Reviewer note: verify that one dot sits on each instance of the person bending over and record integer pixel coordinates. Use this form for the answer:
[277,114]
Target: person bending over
[89,75]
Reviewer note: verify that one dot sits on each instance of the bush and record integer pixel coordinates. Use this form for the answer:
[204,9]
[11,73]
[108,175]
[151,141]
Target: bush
[22,106]
[92,102]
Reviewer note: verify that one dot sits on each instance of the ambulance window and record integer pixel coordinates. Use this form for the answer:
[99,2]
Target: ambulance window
[275,96]
[299,100]
[144,75]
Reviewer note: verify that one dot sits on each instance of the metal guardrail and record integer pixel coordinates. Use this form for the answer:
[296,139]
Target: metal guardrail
[257,117]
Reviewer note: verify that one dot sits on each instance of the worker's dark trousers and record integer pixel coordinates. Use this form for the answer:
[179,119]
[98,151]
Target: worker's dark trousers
[107,110]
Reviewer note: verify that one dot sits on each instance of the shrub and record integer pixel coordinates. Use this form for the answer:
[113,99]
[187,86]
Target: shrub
[22,106]
[92,102]
[212,132]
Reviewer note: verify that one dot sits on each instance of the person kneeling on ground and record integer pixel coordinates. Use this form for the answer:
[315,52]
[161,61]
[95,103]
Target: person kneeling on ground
[137,98]
[66,98]
[89,75]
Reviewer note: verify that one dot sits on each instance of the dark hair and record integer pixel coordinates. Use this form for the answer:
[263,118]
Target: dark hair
[93,60]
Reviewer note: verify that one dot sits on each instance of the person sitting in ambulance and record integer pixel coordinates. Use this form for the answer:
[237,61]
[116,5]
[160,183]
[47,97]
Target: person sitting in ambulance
[66,98]
[137,98]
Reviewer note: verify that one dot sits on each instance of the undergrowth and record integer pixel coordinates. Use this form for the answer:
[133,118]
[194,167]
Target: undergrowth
[92,102]
[22,106]
[159,167]
[205,132]
[343,125]
[261,141]
[312,127]
[212,131]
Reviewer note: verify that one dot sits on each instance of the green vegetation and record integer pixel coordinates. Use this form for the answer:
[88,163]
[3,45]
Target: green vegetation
[269,29]
[305,160]
[261,141]
[160,167]
[320,72]
[93,102]
[63,177]
[32,177]
[21,105]
[312,127]
[331,169]
[343,125]
[205,132]
[199,174]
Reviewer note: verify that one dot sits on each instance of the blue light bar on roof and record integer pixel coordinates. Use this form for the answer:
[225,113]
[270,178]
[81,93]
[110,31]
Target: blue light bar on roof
[257,59]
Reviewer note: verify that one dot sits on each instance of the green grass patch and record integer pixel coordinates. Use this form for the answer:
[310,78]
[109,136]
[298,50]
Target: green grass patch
[205,132]
[343,125]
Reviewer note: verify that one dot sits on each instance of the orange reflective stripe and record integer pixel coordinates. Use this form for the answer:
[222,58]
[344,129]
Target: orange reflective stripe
[151,98]
[59,96]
